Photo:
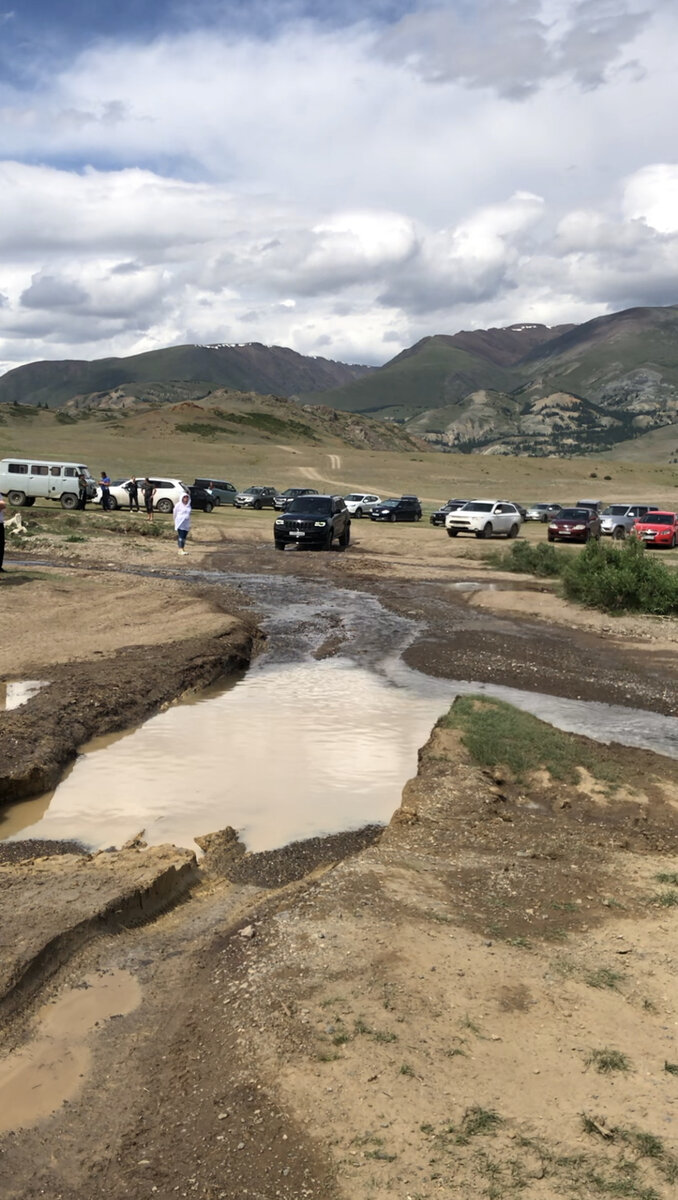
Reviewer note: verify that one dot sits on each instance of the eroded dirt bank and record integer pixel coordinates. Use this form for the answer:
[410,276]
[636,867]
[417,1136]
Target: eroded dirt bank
[426,1017]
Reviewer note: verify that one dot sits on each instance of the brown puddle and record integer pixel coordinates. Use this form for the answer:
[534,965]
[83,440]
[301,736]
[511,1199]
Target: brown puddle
[38,1078]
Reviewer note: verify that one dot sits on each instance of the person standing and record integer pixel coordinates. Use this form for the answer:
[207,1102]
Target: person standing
[105,485]
[3,506]
[148,490]
[82,490]
[133,493]
[182,521]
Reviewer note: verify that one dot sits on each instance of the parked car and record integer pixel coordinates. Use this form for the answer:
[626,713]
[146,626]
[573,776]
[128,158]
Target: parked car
[574,525]
[407,508]
[485,518]
[313,520]
[542,511]
[658,529]
[167,492]
[593,504]
[361,503]
[283,499]
[438,517]
[255,496]
[222,491]
[201,498]
[618,519]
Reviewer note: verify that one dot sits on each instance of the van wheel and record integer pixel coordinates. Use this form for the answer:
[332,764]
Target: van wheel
[29,501]
[69,500]
[16,499]
[164,506]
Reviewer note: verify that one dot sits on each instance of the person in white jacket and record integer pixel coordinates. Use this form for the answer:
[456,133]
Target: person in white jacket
[182,521]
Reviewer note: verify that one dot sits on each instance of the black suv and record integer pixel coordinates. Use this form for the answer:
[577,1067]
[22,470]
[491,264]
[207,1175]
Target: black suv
[313,521]
[407,508]
[438,517]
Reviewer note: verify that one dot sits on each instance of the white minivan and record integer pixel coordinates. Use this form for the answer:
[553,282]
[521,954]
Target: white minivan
[24,480]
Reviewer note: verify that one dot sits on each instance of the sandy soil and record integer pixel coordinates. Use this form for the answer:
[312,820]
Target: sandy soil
[480,1002]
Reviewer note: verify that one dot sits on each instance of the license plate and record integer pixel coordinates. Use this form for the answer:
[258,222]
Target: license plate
[297,533]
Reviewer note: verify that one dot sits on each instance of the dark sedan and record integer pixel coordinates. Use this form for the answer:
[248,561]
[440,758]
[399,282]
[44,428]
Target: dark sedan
[407,508]
[284,499]
[438,517]
[201,499]
[574,525]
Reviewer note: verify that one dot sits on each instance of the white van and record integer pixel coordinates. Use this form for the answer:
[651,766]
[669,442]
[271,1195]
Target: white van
[23,480]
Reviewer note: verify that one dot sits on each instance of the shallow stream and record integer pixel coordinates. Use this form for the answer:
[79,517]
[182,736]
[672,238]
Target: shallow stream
[301,745]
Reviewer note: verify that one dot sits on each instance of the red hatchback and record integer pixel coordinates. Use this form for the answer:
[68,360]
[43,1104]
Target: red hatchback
[658,529]
[574,525]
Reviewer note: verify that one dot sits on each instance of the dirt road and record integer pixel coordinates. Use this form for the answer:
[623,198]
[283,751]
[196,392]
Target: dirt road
[479,1001]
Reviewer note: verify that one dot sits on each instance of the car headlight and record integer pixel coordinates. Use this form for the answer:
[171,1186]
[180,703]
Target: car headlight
[320,524]
[279,521]
[578,528]
[552,525]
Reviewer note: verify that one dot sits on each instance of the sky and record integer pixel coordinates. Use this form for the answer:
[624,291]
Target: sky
[342,178]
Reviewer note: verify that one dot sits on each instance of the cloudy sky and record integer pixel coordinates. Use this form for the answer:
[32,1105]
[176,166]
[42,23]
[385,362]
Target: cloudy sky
[339,177]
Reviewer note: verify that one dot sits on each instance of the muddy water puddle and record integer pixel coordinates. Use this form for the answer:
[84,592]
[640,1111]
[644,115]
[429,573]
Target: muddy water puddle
[39,1077]
[303,745]
[16,692]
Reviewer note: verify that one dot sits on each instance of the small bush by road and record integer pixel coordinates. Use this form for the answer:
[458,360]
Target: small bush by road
[612,578]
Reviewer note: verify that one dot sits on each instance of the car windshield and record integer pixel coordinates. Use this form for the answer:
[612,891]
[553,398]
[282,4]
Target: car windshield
[658,518]
[390,503]
[478,506]
[574,514]
[250,491]
[311,504]
[354,496]
[616,510]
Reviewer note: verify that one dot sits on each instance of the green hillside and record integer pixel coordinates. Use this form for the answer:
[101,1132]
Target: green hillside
[433,374]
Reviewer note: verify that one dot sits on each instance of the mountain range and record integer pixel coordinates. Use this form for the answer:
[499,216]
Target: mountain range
[524,389]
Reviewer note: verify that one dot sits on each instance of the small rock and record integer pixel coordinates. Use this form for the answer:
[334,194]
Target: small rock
[247,932]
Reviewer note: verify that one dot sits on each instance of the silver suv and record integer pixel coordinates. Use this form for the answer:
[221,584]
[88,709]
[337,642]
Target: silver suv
[618,519]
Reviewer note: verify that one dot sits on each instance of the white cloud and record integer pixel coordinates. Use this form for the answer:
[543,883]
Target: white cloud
[318,190]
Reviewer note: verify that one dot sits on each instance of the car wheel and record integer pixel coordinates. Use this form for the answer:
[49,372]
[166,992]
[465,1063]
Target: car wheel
[69,500]
[327,544]
[452,532]
[358,512]
[418,517]
[164,506]
[513,531]
[279,545]
[391,517]
[29,501]
[345,539]
[17,499]
[488,531]
[113,504]
[551,537]
[257,505]
[619,533]
[208,506]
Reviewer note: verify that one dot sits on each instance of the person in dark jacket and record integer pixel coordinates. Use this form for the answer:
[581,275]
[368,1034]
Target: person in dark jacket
[133,493]
[148,490]
[105,484]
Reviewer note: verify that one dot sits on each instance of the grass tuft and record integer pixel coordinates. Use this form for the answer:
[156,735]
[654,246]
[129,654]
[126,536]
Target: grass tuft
[606,1061]
[604,977]
[498,734]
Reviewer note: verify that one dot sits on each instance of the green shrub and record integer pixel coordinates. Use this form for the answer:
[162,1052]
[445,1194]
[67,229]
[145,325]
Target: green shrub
[542,560]
[621,579]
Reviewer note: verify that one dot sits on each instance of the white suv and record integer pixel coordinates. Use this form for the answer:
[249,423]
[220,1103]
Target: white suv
[167,493]
[485,518]
[359,503]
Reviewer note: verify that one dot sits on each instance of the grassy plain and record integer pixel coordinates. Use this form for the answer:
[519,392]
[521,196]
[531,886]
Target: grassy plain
[149,441]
